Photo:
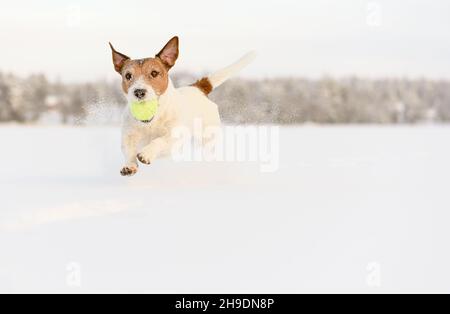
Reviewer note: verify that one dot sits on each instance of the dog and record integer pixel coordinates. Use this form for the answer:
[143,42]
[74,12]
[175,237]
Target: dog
[148,80]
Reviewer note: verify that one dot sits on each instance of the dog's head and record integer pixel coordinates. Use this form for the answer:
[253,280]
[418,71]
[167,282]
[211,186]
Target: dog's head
[146,79]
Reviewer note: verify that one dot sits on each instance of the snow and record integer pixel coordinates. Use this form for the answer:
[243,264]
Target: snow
[350,209]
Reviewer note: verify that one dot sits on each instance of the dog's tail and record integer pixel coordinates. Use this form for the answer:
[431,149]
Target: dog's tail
[209,83]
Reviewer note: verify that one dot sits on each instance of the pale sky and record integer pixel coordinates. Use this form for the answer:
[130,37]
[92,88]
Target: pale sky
[385,38]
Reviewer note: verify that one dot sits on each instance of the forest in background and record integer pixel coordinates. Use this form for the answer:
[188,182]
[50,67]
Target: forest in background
[270,101]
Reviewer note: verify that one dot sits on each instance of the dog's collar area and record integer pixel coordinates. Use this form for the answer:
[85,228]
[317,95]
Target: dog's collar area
[147,121]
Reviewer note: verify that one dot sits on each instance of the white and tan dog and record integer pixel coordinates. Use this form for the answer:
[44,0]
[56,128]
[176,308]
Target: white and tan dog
[148,79]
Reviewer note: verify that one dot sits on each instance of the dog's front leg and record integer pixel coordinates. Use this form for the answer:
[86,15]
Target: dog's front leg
[130,143]
[157,148]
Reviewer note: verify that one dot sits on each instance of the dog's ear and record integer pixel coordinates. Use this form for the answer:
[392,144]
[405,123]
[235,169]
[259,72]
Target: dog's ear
[119,59]
[169,54]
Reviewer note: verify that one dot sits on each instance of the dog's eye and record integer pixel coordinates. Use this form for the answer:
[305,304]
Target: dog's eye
[128,76]
[154,73]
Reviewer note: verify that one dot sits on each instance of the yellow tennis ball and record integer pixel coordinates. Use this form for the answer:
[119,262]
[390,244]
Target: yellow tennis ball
[144,110]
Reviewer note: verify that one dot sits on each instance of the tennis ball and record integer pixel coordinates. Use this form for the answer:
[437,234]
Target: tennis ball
[144,110]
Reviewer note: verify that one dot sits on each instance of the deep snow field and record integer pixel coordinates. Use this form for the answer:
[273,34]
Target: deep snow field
[350,209]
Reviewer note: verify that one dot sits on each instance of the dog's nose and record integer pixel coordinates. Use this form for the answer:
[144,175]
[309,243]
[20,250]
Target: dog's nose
[140,93]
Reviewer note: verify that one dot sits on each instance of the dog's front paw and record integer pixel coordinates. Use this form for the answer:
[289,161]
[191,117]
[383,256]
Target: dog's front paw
[129,171]
[144,159]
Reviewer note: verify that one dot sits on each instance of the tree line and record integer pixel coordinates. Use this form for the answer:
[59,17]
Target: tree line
[270,101]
